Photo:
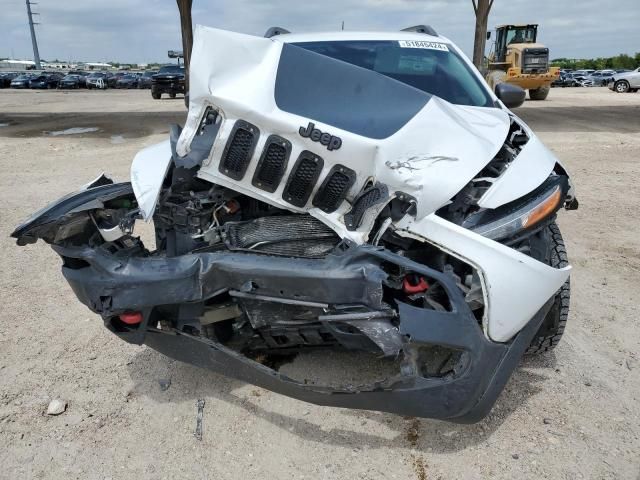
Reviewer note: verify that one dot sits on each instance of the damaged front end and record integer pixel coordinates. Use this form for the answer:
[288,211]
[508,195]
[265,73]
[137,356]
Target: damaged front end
[276,236]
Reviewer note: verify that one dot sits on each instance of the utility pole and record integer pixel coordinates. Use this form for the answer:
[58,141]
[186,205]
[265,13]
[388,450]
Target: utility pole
[36,54]
[184,6]
[481,8]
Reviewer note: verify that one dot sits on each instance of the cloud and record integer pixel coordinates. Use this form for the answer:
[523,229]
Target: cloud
[143,30]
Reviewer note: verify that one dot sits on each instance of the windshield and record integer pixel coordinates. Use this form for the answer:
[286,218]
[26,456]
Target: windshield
[71,77]
[171,69]
[521,35]
[428,66]
[97,75]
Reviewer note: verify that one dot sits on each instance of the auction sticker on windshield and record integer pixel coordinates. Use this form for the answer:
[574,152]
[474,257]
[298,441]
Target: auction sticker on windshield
[422,44]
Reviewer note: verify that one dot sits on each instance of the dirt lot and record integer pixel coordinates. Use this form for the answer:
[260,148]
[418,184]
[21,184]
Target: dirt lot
[574,413]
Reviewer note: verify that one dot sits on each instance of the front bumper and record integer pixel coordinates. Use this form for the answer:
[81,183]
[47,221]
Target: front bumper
[168,87]
[110,286]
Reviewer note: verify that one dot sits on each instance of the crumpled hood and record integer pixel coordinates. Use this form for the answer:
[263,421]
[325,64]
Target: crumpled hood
[388,132]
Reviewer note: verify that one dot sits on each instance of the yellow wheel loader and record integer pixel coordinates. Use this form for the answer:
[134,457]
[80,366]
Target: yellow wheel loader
[518,59]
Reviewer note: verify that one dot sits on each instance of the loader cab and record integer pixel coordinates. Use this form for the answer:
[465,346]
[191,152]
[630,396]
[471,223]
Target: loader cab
[513,34]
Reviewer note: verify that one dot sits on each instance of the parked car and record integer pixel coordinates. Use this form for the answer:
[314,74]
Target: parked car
[580,80]
[45,80]
[22,81]
[127,81]
[169,79]
[602,77]
[82,77]
[112,78]
[565,80]
[146,78]
[331,192]
[97,80]
[6,77]
[626,82]
[70,81]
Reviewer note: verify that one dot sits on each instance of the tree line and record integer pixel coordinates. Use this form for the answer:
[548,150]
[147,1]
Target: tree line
[618,62]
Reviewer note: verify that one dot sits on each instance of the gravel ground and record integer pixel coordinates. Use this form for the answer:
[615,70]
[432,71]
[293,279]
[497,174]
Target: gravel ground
[574,413]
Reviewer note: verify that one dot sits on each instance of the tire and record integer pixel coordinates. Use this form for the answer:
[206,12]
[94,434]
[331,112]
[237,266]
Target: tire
[621,86]
[554,323]
[540,93]
[156,96]
[172,95]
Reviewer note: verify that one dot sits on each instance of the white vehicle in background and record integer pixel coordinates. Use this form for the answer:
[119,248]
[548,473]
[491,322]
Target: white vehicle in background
[625,82]
[356,191]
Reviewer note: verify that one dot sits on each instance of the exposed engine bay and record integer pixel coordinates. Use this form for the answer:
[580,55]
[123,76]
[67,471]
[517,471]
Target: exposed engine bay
[276,235]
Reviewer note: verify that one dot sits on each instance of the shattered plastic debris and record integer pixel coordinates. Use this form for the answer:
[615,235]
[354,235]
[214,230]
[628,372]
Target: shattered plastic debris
[73,131]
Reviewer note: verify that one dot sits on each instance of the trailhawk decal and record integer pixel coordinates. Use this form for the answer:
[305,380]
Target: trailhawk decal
[422,44]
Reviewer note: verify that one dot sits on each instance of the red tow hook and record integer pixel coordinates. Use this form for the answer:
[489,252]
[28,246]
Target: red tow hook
[414,284]
[131,318]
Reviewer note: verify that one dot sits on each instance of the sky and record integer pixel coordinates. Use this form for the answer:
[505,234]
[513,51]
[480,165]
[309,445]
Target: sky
[141,31]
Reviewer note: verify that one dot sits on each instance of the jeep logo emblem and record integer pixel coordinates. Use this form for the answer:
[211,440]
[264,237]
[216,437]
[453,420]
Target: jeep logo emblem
[330,141]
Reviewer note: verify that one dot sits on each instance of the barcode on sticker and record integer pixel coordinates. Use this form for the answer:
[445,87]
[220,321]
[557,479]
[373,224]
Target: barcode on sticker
[422,44]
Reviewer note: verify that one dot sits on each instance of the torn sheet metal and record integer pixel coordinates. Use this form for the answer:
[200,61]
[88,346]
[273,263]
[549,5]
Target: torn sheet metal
[515,285]
[148,171]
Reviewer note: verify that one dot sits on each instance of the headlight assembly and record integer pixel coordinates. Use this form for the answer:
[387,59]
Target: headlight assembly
[505,222]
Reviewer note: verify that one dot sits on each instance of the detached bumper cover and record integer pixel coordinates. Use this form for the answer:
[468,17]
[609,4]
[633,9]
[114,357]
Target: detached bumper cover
[110,286]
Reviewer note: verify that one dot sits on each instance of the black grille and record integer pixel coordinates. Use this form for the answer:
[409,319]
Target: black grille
[303,178]
[535,60]
[272,163]
[367,199]
[239,150]
[334,189]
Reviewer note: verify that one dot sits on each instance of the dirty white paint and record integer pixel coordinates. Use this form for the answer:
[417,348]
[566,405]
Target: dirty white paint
[117,139]
[73,131]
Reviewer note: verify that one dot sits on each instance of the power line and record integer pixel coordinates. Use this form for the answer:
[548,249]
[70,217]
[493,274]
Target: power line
[36,53]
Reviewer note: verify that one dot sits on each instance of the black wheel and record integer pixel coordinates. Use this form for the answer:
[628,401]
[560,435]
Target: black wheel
[539,93]
[621,86]
[172,95]
[156,96]
[552,327]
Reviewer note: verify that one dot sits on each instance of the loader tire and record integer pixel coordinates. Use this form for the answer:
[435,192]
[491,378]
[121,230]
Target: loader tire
[552,328]
[540,93]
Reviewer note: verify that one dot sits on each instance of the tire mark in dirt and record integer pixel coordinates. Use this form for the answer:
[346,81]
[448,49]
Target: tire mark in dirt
[417,462]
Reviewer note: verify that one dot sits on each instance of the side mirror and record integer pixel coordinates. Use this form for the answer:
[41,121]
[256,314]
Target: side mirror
[511,95]
[488,35]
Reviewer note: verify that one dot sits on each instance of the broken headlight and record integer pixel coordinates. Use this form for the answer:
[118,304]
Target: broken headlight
[523,214]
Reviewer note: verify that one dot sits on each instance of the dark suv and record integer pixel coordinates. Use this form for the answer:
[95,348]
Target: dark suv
[169,79]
